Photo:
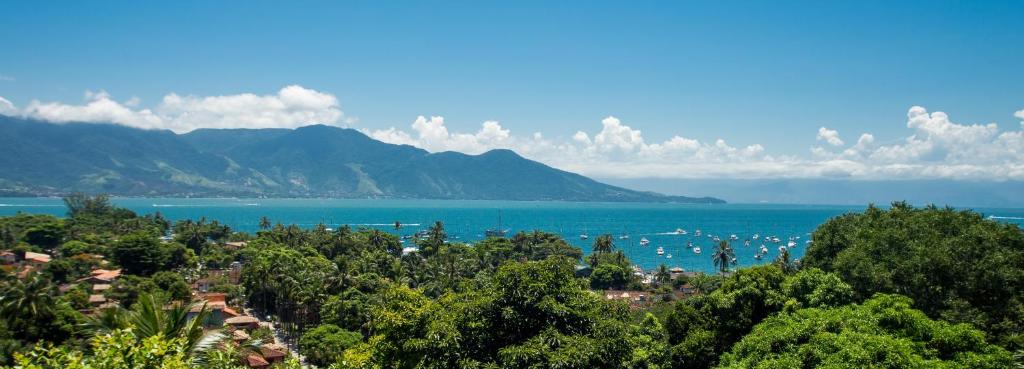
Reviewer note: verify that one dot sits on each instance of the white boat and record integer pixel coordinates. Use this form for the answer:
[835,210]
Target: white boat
[624,237]
[755,236]
[757,256]
[808,242]
[680,231]
[689,244]
[644,241]
[696,250]
[733,237]
[764,249]
[696,233]
[669,256]
[661,251]
[584,236]
[791,244]
[782,248]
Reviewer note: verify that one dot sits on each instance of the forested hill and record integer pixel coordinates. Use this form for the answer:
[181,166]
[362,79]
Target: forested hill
[42,159]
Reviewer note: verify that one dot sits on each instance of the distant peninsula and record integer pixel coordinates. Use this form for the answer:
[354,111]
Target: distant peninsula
[44,159]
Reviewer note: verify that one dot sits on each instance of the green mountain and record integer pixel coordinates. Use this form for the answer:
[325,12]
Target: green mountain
[42,158]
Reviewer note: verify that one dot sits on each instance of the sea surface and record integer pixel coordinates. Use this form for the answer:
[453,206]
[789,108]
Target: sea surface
[466,221]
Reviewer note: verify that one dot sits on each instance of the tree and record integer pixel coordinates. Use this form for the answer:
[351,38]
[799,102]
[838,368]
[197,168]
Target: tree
[264,223]
[883,332]
[32,311]
[139,253]
[152,318]
[325,344]
[603,244]
[116,350]
[955,265]
[174,284]
[79,203]
[784,262]
[662,275]
[724,257]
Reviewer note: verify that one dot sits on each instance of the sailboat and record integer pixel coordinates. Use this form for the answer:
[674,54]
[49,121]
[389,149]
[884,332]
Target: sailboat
[661,251]
[496,232]
[644,241]
[696,250]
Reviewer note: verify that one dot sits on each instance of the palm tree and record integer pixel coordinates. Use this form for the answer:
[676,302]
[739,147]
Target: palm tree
[604,244]
[783,262]
[376,238]
[150,318]
[264,223]
[724,257]
[662,275]
[398,225]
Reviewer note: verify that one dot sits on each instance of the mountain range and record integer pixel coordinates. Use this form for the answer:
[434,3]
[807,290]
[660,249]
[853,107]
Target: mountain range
[41,158]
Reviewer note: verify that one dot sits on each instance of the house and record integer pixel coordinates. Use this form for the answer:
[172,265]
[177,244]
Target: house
[36,258]
[239,336]
[217,305]
[256,361]
[634,298]
[243,322]
[102,276]
[235,245]
[100,288]
[8,257]
[97,300]
[274,353]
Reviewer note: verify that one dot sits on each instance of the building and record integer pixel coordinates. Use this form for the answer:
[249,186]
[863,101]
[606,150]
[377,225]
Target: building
[243,322]
[274,353]
[97,300]
[36,258]
[217,305]
[8,257]
[102,276]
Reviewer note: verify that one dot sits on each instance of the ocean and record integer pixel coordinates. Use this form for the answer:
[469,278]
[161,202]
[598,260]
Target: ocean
[466,221]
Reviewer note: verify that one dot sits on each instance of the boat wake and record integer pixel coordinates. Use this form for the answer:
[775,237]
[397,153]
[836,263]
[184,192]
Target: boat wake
[31,206]
[1010,218]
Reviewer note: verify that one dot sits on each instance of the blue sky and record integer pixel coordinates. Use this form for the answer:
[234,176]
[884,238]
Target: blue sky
[750,73]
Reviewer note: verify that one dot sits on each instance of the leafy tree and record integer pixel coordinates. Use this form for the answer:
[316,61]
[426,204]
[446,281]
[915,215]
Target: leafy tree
[139,253]
[174,284]
[264,223]
[955,265]
[31,310]
[815,288]
[325,344]
[604,244]
[79,204]
[116,350]
[883,332]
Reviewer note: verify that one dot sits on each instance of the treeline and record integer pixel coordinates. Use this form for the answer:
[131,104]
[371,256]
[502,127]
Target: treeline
[903,287]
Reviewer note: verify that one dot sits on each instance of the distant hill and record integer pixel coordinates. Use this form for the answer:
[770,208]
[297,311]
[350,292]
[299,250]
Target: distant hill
[314,161]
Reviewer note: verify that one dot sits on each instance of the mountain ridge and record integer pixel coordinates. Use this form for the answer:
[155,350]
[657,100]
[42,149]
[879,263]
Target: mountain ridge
[45,158]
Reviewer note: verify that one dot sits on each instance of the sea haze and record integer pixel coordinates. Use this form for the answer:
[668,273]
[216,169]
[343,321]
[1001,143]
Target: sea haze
[839,191]
[467,220]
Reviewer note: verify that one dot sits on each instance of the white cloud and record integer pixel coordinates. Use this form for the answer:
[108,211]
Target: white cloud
[936,147]
[829,135]
[6,78]
[292,106]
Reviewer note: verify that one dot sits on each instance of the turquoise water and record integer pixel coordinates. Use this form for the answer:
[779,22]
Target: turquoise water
[467,220]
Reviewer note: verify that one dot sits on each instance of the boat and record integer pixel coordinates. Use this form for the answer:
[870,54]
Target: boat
[584,236]
[764,249]
[782,248]
[696,250]
[624,237]
[660,250]
[696,233]
[755,236]
[669,256]
[496,232]
[644,241]
[689,244]
[680,231]
[733,237]
[746,242]
[791,244]
[757,256]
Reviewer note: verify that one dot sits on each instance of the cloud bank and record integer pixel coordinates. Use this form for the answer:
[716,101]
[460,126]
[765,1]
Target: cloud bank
[292,106]
[935,146]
